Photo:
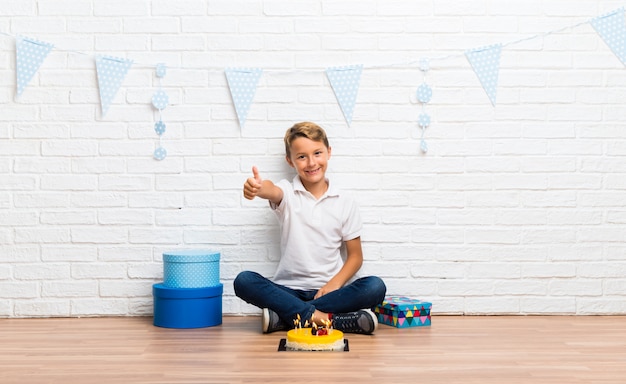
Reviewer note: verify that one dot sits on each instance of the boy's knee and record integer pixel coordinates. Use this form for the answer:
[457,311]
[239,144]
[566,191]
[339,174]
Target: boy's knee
[240,280]
[379,287]
[243,280]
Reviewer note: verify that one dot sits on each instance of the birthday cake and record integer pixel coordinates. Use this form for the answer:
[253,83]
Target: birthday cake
[315,338]
[302,339]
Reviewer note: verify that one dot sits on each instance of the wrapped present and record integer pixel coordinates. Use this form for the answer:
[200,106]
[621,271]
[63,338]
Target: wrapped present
[403,312]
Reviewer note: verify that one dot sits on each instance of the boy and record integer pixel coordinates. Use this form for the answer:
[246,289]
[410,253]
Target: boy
[312,280]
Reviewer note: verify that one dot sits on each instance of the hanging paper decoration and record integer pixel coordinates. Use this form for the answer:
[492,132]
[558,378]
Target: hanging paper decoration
[345,82]
[612,29]
[243,83]
[486,64]
[111,73]
[424,94]
[160,100]
[161,71]
[29,55]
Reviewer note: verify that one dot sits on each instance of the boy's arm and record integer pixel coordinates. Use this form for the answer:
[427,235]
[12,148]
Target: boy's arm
[265,189]
[353,263]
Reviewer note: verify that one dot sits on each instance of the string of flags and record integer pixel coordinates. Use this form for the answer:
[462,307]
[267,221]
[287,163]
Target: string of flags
[344,80]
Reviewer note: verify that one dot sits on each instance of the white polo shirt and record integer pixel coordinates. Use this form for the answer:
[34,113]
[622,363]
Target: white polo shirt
[312,234]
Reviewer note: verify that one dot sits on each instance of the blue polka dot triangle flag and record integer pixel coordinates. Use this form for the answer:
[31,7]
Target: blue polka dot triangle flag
[612,29]
[111,73]
[486,64]
[29,55]
[345,82]
[242,83]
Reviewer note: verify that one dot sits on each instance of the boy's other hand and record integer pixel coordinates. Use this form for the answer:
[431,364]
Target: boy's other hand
[328,288]
[252,186]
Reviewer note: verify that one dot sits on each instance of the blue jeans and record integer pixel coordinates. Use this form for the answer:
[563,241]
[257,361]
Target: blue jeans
[257,290]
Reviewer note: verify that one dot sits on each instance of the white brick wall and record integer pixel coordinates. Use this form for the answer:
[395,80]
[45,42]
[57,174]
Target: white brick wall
[517,209]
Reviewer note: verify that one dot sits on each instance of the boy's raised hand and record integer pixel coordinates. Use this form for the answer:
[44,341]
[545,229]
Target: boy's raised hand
[253,185]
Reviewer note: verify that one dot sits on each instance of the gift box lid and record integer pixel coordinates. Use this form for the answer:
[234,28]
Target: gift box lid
[165,292]
[191,256]
[401,303]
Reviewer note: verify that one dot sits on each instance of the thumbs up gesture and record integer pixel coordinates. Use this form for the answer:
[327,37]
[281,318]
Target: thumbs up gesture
[253,185]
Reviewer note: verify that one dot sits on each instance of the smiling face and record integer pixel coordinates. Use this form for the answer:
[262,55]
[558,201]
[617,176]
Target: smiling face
[307,151]
[310,159]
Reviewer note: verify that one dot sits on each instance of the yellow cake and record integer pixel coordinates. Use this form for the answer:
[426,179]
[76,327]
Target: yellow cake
[301,339]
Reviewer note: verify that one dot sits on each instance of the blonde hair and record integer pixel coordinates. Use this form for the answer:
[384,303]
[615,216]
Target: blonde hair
[305,129]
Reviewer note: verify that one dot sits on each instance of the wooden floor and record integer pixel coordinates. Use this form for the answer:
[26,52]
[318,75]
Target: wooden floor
[455,349]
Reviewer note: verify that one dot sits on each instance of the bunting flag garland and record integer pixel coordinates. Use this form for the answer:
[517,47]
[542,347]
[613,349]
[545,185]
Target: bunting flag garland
[242,83]
[111,73]
[612,29]
[29,55]
[486,64]
[345,82]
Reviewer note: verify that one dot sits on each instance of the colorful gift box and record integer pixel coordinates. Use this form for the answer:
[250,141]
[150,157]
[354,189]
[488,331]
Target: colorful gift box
[403,312]
[191,269]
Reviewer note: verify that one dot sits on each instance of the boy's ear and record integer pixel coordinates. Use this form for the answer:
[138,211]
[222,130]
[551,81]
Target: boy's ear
[289,161]
[330,149]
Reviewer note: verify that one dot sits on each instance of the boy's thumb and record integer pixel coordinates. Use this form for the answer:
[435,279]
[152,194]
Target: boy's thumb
[255,173]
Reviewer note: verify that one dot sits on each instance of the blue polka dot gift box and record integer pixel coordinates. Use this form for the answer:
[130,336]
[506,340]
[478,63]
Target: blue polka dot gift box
[403,312]
[191,269]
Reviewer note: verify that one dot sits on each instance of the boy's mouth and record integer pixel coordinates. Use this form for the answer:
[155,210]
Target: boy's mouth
[313,172]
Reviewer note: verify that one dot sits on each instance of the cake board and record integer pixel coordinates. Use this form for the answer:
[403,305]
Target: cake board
[283,348]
